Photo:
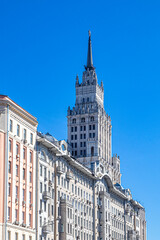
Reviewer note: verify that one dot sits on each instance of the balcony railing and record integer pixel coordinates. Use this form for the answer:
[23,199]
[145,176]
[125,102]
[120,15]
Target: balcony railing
[46,195]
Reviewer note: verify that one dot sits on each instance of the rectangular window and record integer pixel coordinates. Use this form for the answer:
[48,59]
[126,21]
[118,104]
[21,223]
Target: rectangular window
[84,128]
[24,153]
[93,127]
[71,137]
[84,136]
[23,237]
[23,217]
[75,129]
[29,219]
[30,177]
[10,145]
[90,127]
[40,170]
[16,214]
[40,187]
[30,157]
[16,236]
[23,173]
[11,126]
[93,135]
[9,189]
[9,167]
[17,149]
[84,144]
[23,194]
[31,138]
[71,129]
[24,134]
[30,197]
[17,170]
[75,145]
[9,213]
[18,130]
[75,137]
[9,235]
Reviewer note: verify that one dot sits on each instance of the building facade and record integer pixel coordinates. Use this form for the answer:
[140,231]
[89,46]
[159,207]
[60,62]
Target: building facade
[18,131]
[58,190]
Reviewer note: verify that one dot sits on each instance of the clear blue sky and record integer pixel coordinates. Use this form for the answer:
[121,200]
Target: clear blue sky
[43,45]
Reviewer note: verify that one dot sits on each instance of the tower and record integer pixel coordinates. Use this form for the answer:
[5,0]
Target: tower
[89,127]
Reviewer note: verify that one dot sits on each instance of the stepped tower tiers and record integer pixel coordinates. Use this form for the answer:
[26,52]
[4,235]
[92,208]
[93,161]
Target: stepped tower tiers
[89,127]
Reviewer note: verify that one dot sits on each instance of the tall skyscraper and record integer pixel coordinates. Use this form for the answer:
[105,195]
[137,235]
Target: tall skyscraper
[89,126]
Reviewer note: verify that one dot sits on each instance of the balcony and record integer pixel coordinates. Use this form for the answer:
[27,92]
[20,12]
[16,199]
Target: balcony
[69,175]
[46,229]
[60,170]
[46,195]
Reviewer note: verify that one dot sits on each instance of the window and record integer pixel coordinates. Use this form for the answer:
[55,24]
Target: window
[29,221]
[9,167]
[84,144]
[93,127]
[24,153]
[40,187]
[30,238]
[93,135]
[23,217]
[16,236]
[10,145]
[23,173]
[81,136]
[75,129]
[30,197]
[17,149]
[9,235]
[11,126]
[75,137]
[74,120]
[30,157]
[71,129]
[40,170]
[92,119]
[24,134]
[16,214]
[81,128]
[17,170]
[23,237]
[18,130]
[71,137]
[9,213]
[30,177]
[82,120]
[84,136]
[9,189]
[84,128]
[75,145]
[31,138]
[23,194]
[90,127]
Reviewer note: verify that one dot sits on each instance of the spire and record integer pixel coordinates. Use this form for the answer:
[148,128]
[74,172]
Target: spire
[89,56]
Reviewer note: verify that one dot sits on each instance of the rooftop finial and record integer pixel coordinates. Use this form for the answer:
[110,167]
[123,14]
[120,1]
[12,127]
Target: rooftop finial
[89,56]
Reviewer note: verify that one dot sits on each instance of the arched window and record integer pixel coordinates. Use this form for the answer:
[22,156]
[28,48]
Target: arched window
[92,151]
[82,120]
[92,119]
[73,120]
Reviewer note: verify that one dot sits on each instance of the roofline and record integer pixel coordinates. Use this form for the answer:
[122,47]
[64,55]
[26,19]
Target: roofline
[10,102]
